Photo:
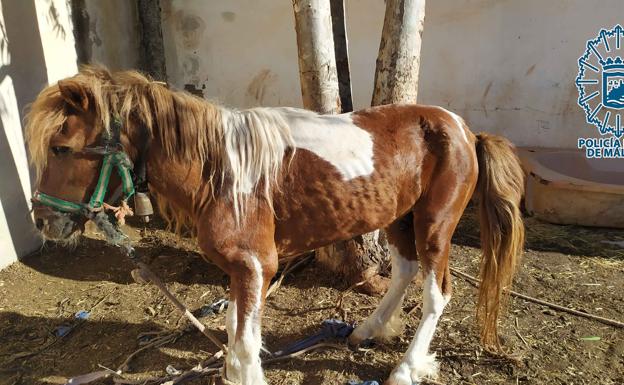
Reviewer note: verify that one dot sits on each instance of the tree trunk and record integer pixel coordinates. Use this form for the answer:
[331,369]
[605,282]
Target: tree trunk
[396,81]
[341,50]
[80,19]
[317,63]
[357,260]
[398,61]
[152,46]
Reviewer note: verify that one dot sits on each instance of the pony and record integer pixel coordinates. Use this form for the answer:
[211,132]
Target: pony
[263,183]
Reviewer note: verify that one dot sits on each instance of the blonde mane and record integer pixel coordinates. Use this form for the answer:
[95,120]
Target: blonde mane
[242,149]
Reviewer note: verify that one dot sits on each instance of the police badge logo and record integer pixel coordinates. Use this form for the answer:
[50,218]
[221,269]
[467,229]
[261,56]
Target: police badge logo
[600,83]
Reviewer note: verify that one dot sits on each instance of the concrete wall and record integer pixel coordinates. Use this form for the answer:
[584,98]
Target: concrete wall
[242,53]
[113,38]
[30,58]
[507,66]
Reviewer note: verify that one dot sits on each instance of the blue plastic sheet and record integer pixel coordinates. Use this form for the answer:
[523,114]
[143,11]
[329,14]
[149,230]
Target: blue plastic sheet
[331,329]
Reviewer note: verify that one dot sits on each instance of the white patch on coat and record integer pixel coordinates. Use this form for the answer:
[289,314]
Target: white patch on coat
[232,364]
[334,138]
[417,362]
[385,322]
[460,122]
[248,344]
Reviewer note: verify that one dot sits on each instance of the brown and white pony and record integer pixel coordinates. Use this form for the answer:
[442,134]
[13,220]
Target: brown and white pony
[264,183]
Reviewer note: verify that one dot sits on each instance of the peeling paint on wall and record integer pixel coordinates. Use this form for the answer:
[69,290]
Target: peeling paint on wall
[190,29]
[237,52]
[259,86]
[228,16]
[113,35]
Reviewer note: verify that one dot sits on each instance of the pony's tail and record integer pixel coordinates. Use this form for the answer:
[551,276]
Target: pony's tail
[499,191]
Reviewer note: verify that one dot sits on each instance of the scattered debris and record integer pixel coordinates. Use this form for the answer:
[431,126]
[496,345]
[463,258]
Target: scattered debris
[354,382]
[82,315]
[563,264]
[214,308]
[172,371]
[591,338]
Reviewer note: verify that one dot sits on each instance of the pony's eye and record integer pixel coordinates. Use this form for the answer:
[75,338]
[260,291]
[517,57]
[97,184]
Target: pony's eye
[59,150]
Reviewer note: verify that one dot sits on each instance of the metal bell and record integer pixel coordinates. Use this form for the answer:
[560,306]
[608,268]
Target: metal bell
[143,206]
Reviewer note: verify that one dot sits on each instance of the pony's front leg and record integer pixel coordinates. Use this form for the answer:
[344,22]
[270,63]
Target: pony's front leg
[250,278]
[232,364]
[246,252]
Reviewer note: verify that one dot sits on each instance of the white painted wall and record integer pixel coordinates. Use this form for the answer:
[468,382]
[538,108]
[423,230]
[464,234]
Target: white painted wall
[508,66]
[242,53]
[113,38]
[30,58]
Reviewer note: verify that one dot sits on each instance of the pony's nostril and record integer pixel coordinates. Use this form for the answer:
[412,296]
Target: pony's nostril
[40,223]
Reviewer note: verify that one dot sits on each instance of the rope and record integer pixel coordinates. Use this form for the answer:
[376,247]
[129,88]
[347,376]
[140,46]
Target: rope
[120,211]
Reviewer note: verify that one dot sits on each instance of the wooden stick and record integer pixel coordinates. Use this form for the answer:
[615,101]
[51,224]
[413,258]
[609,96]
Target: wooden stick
[278,283]
[305,350]
[287,270]
[551,305]
[155,343]
[518,333]
[147,273]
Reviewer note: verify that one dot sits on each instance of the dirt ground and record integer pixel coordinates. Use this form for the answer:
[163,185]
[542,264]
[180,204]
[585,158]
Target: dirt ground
[567,265]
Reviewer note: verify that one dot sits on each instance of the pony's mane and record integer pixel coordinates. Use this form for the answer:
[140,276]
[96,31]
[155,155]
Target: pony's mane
[240,149]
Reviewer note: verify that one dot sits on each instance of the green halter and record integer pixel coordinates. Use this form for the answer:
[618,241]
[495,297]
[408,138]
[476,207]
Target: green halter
[114,156]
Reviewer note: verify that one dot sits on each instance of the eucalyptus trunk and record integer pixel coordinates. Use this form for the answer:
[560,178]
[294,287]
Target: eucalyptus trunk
[398,61]
[358,260]
[396,81]
[317,62]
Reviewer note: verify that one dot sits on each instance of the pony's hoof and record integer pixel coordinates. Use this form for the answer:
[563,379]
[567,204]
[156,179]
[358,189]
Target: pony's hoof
[220,380]
[424,367]
[354,346]
[355,342]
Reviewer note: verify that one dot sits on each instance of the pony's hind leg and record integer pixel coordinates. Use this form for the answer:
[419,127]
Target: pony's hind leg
[417,362]
[435,219]
[385,322]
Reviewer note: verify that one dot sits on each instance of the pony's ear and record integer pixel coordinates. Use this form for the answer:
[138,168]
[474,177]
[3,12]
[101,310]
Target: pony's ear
[74,94]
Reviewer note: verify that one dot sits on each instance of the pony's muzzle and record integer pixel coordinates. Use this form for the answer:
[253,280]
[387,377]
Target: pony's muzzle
[54,225]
